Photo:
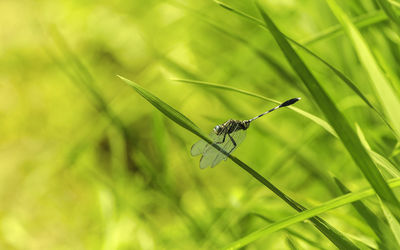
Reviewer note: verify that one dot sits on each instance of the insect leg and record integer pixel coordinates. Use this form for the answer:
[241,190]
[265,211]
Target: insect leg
[223,140]
[234,144]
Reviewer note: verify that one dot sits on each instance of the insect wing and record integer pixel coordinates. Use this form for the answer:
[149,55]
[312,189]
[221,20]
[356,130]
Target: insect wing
[209,156]
[200,147]
[228,146]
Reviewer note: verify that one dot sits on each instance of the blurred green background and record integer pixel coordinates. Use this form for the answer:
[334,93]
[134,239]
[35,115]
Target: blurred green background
[86,163]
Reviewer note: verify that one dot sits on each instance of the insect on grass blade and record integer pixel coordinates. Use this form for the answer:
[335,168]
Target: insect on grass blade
[228,136]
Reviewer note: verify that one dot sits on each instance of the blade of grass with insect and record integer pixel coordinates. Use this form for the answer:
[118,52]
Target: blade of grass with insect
[390,12]
[313,118]
[337,72]
[380,228]
[327,206]
[228,220]
[311,167]
[386,95]
[336,119]
[331,233]
[313,170]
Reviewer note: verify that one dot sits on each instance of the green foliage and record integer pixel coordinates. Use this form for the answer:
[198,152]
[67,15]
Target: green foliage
[338,239]
[87,163]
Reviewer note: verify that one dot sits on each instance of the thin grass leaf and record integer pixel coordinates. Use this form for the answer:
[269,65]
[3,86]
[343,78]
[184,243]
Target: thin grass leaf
[393,223]
[330,232]
[363,242]
[386,95]
[329,205]
[80,75]
[267,59]
[335,118]
[291,243]
[337,72]
[167,110]
[394,3]
[390,12]
[379,159]
[363,21]
[313,118]
[381,229]
[307,165]
[291,232]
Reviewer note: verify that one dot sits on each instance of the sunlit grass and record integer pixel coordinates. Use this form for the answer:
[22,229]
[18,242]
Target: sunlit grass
[87,163]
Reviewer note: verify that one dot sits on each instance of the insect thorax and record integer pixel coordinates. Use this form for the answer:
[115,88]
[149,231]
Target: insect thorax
[231,126]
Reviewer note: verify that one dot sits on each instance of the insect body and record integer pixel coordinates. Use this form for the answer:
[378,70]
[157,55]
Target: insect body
[227,136]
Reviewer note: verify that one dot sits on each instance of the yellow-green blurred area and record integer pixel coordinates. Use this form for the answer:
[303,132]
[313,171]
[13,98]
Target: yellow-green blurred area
[87,163]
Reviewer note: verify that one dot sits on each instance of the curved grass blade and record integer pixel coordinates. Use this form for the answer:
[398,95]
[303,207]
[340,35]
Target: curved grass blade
[336,119]
[285,223]
[291,243]
[394,3]
[313,118]
[381,229]
[361,22]
[393,223]
[379,159]
[269,60]
[341,75]
[291,232]
[81,76]
[167,110]
[390,12]
[386,94]
[330,232]
[266,58]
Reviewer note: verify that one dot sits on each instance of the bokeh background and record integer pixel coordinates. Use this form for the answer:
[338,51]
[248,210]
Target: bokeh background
[87,163]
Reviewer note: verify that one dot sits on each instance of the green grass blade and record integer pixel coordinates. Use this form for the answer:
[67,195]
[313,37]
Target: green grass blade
[386,95]
[183,121]
[292,232]
[269,60]
[381,229]
[390,12]
[394,3]
[285,223]
[313,118]
[167,110]
[379,159]
[393,223]
[291,243]
[266,58]
[337,72]
[361,22]
[336,119]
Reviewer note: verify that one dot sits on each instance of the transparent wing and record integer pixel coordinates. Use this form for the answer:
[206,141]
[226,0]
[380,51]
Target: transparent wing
[212,156]
[209,156]
[200,147]
[228,146]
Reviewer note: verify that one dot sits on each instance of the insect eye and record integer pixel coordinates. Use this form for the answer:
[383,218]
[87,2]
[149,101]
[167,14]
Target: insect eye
[217,128]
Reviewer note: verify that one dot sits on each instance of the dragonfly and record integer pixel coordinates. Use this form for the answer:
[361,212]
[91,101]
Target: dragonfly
[226,138]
